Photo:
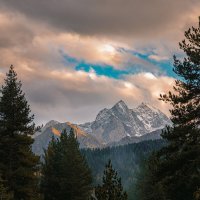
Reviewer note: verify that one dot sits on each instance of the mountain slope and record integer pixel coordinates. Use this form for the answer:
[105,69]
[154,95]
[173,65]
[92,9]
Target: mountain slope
[54,130]
[154,135]
[111,125]
[125,159]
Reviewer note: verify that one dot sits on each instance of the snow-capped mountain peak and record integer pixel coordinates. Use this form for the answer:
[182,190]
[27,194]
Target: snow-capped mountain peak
[119,121]
[110,126]
[102,114]
[146,107]
[121,107]
[151,117]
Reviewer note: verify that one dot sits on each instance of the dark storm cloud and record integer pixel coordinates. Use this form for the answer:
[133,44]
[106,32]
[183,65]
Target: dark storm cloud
[105,17]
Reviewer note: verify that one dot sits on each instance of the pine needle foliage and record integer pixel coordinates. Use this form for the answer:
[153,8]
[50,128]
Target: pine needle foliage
[18,164]
[111,188]
[65,172]
[176,172]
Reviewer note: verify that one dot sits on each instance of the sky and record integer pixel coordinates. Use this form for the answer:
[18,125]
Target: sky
[76,57]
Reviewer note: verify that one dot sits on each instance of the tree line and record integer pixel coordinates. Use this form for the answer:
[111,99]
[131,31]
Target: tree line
[171,173]
[126,160]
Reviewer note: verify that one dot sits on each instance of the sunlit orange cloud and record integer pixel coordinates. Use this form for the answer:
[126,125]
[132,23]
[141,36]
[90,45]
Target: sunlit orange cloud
[35,47]
[56,91]
[74,93]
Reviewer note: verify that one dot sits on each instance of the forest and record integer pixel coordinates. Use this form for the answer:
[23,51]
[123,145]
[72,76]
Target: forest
[126,159]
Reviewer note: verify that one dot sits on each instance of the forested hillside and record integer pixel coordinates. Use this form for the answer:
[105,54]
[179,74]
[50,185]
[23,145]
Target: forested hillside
[125,159]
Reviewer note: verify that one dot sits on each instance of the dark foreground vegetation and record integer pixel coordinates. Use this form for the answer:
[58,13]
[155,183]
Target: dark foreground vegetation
[170,173]
[174,171]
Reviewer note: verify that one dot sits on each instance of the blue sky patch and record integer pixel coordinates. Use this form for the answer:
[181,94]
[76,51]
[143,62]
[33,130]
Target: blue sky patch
[165,67]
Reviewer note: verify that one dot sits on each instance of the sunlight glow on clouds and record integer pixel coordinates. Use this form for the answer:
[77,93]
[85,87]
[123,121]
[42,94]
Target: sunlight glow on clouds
[77,91]
[107,49]
[158,58]
[72,63]
[149,75]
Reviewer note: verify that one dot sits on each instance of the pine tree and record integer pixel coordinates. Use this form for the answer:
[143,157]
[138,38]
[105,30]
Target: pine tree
[176,175]
[65,173]
[17,162]
[185,100]
[51,171]
[180,159]
[111,188]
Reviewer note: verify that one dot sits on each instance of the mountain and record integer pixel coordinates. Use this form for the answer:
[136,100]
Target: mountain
[47,125]
[154,135]
[54,129]
[116,126]
[111,125]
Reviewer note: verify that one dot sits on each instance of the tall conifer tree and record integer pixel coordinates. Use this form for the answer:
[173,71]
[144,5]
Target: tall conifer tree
[111,188]
[176,174]
[17,162]
[180,160]
[65,173]
[185,100]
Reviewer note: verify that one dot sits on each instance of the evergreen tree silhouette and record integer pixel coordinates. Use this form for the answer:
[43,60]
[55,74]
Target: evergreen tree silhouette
[111,188]
[18,164]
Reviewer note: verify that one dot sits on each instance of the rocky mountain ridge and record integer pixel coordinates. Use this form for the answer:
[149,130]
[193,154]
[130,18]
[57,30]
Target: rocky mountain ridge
[111,125]
[118,125]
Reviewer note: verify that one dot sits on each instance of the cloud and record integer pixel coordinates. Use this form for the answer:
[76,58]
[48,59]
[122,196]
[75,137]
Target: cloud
[26,43]
[110,17]
[13,32]
[78,96]
[158,58]
[56,91]
[37,35]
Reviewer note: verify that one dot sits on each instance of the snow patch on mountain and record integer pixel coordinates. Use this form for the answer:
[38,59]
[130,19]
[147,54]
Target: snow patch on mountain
[118,125]
[111,125]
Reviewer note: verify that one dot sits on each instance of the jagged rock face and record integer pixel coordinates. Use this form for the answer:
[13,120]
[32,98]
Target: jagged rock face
[111,125]
[151,117]
[116,126]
